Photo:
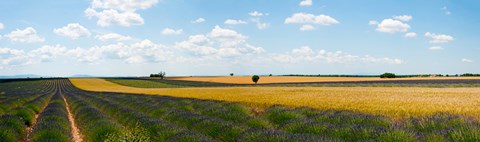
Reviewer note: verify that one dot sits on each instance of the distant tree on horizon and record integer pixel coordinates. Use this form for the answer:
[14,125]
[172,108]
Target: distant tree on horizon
[388,75]
[231,74]
[160,74]
[255,78]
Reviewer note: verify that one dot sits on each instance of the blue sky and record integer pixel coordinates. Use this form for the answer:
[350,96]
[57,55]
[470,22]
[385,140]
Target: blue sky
[212,37]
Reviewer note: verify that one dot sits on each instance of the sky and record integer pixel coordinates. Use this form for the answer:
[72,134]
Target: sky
[244,37]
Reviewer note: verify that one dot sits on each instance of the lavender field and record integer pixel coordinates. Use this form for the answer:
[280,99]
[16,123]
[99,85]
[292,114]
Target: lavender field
[38,110]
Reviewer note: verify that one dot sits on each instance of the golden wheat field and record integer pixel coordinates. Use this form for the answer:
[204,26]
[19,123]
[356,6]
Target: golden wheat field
[397,102]
[295,79]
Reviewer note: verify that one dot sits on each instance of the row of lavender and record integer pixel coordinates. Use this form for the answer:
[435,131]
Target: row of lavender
[53,124]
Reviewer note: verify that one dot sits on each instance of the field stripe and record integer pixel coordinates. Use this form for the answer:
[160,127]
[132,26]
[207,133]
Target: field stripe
[390,101]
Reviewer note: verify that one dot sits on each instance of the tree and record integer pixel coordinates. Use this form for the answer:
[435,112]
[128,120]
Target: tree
[161,75]
[255,78]
[270,75]
[231,74]
[387,75]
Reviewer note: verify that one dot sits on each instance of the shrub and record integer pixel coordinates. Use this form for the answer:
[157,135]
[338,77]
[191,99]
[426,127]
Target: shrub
[387,75]
[255,78]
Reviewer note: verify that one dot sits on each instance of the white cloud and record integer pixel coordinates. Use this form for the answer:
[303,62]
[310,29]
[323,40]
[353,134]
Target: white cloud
[169,31]
[73,31]
[439,38]
[123,5]
[234,22]
[467,60]
[257,14]
[307,27]
[436,48]
[112,16]
[199,20]
[306,18]
[411,34]
[1,26]
[121,12]
[28,34]
[260,25]
[404,18]
[372,22]
[113,36]
[306,54]
[306,3]
[12,57]
[47,53]
[218,43]
[303,51]
[392,26]
[141,52]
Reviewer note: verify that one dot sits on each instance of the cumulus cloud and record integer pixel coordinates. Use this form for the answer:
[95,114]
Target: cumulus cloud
[169,31]
[306,3]
[306,18]
[12,57]
[392,26]
[257,19]
[465,60]
[411,34]
[257,14]
[144,51]
[260,25]
[112,16]
[198,20]
[439,38]
[47,53]
[1,26]
[307,27]
[404,18]
[73,31]
[218,43]
[15,57]
[28,34]
[234,22]
[307,54]
[123,5]
[436,48]
[113,36]
[121,12]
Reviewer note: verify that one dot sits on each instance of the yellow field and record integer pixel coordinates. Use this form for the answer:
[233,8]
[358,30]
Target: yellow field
[389,101]
[294,79]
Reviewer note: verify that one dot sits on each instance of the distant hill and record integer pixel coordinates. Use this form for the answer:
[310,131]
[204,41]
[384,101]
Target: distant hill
[81,75]
[22,76]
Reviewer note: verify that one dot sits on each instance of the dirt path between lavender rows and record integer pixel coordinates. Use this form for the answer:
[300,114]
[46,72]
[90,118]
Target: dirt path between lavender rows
[76,136]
